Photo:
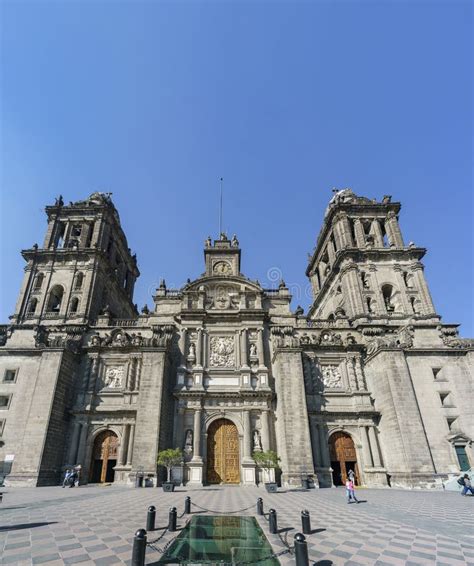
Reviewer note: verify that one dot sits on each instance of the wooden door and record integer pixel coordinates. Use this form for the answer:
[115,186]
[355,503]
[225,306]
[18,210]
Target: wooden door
[343,456]
[223,462]
[104,457]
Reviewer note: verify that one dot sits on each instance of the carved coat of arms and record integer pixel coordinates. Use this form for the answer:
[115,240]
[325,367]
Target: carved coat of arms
[222,351]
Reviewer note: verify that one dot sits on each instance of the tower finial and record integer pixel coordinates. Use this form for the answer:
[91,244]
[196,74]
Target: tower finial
[220,208]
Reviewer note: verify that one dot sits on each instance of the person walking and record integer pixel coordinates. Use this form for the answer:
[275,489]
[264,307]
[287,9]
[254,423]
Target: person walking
[351,475]
[67,475]
[466,485]
[350,491]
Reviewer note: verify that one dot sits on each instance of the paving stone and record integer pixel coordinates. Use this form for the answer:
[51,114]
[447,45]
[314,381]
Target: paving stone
[45,558]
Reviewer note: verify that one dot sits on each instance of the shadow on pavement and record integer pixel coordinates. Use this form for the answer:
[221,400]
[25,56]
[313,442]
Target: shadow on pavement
[25,526]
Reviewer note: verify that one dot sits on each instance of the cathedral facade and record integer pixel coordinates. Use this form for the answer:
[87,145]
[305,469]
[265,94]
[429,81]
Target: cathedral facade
[369,379]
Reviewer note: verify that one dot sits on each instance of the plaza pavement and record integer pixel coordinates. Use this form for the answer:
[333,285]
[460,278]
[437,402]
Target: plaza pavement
[95,525]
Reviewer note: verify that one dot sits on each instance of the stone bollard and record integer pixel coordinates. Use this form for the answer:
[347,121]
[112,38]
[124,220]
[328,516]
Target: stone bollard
[272,521]
[139,548]
[301,550]
[187,505]
[150,518]
[306,522]
[259,506]
[172,520]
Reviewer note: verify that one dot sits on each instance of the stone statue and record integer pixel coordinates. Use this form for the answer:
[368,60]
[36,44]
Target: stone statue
[235,242]
[253,350]
[257,443]
[208,242]
[188,441]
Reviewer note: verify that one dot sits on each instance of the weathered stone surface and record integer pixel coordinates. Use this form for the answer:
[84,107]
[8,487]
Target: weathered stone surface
[370,366]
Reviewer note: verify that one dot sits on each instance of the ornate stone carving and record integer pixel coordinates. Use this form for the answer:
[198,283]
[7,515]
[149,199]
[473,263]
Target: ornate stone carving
[222,351]
[402,339]
[332,378]
[450,338]
[114,377]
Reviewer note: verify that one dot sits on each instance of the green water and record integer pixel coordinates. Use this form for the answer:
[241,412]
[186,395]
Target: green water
[215,539]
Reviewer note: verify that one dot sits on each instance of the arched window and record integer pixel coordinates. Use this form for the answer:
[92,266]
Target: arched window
[55,299]
[39,281]
[74,305]
[387,292]
[79,280]
[32,306]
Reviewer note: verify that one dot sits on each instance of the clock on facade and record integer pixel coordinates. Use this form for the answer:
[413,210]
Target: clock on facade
[222,268]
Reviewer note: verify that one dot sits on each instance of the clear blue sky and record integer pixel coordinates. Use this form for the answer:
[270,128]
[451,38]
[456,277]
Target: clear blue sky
[155,101]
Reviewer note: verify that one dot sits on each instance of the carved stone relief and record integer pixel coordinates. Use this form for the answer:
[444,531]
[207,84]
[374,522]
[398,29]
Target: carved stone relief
[332,377]
[222,351]
[114,377]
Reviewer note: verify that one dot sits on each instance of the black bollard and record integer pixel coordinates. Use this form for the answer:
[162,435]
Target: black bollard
[172,519]
[272,521]
[139,548]
[301,550]
[150,518]
[259,506]
[187,506]
[306,522]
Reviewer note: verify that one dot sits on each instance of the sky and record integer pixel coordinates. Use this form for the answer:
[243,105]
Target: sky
[155,101]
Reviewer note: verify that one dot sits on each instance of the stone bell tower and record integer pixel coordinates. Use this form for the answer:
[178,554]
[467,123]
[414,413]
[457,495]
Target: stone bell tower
[362,270]
[83,267]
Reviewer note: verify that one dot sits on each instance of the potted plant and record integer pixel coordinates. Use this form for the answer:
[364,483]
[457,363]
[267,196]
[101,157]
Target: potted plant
[169,458]
[267,461]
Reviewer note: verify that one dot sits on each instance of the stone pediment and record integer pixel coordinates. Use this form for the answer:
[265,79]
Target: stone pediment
[222,294]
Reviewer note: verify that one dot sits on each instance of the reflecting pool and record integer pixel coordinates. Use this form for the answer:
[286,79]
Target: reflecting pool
[210,539]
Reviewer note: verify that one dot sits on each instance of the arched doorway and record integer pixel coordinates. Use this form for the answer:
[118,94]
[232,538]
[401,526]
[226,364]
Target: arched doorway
[343,458]
[104,457]
[223,462]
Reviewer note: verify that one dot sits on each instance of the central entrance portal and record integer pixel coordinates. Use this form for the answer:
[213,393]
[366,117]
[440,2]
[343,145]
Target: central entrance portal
[223,462]
[343,458]
[104,457]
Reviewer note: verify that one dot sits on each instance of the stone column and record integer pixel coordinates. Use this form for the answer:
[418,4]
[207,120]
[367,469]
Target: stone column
[352,290]
[315,283]
[197,435]
[182,348]
[81,450]
[74,444]
[403,289]
[323,445]
[366,447]
[179,430]
[93,374]
[199,348]
[331,252]
[374,447]
[131,436]
[422,287]
[315,445]
[260,350]
[393,230]
[121,459]
[138,372]
[359,233]
[378,236]
[351,374]
[264,417]
[360,374]
[247,447]
[243,348]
